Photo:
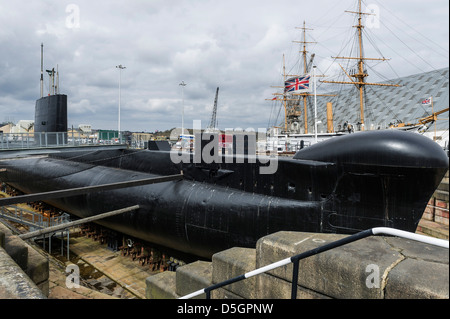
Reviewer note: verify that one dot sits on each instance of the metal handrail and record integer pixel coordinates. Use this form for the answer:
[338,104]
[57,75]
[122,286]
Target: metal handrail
[295,259]
[30,218]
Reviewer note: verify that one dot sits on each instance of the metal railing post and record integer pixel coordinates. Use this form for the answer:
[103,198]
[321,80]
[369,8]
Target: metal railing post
[68,241]
[294,279]
[62,242]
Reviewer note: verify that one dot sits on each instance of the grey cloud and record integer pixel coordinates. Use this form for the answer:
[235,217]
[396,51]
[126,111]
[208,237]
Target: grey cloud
[236,45]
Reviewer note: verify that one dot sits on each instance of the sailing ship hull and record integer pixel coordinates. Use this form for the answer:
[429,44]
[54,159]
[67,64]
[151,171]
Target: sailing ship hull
[343,185]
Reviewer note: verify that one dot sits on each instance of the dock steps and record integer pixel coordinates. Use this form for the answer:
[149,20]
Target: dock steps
[372,268]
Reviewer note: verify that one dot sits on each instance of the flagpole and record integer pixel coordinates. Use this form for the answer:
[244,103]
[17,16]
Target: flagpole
[284,97]
[120,67]
[434,117]
[182,84]
[315,102]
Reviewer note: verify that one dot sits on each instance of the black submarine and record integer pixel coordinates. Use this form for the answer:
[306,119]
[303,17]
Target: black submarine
[227,199]
[342,185]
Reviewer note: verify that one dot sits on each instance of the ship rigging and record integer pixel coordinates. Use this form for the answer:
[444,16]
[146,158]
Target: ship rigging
[355,74]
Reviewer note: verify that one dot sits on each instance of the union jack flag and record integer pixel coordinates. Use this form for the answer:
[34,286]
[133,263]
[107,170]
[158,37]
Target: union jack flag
[300,83]
[426,101]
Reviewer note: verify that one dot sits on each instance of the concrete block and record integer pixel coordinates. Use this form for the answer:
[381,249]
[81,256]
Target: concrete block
[338,273]
[271,287]
[4,232]
[193,277]
[44,287]
[14,283]
[222,293]
[2,239]
[15,247]
[27,258]
[161,286]
[232,263]
[419,251]
[4,229]
[418,279]
[38,266]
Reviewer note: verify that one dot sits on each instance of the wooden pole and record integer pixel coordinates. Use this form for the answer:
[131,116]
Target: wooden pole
[284,100]
[330,126]
[434,118]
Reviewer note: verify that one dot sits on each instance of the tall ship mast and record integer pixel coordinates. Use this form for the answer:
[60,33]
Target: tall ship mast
[358,76]
[306,70]
[293,101]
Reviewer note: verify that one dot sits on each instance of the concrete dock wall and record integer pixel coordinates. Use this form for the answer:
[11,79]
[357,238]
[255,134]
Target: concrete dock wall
[24,273]
[372,268]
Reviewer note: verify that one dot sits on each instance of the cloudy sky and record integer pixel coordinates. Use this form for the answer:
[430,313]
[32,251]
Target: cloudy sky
[235,45]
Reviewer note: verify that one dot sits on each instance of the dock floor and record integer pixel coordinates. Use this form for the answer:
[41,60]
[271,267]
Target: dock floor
[105,273]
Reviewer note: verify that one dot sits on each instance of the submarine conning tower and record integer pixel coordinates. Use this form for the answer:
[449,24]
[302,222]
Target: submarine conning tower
[50,116]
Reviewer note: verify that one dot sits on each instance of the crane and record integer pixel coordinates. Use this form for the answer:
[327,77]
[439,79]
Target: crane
[213,123]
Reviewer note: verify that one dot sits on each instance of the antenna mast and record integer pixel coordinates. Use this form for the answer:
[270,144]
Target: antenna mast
[57,81]
[42,70]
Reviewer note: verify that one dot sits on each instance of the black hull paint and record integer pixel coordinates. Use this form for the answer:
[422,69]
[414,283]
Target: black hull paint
[344,185]
[51,116]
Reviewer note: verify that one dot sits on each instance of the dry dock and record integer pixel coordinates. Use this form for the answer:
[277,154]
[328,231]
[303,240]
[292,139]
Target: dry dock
[105,274]
[108,274]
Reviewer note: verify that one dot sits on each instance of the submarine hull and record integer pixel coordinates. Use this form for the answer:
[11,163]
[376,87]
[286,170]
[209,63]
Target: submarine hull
[193,217]
[345,185]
